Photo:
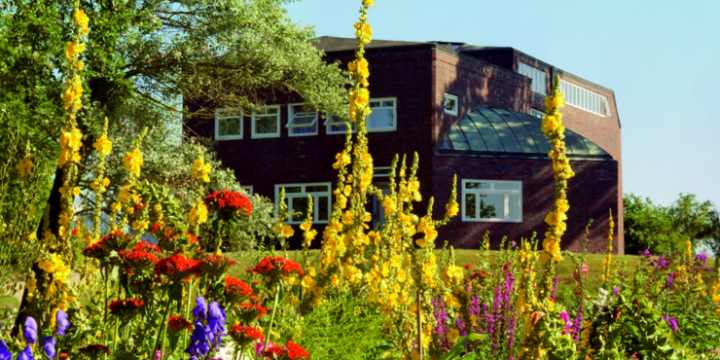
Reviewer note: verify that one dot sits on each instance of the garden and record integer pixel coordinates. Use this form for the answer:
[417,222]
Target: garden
[170,258]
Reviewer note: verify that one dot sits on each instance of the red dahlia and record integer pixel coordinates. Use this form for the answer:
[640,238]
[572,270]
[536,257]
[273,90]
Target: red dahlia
[248,312]
[294,351]
[274,267]
[229,202]
[236,290]
[177,323]
[244,335]
[142,258]
[177,267]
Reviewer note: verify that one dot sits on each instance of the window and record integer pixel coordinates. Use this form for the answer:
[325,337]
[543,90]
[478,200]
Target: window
[584,99]
[537,76]
[301,123]
[296,198]
[450,103]
[492,200]
[248,188]
[336,125]
[266,124]
[537,113]
[383,115]
[228,124]
[381,172]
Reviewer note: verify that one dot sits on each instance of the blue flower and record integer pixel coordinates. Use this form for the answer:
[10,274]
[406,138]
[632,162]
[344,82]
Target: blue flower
[216,322]
[49,346]
[199,341]
[200,310]
[26,354]
[4,352]
[30,332]
[62,322]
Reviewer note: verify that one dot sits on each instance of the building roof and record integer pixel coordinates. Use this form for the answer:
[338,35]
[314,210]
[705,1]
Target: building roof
[493,131]
[332,44]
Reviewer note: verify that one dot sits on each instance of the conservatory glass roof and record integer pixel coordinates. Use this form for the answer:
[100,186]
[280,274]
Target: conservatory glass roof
[494,131]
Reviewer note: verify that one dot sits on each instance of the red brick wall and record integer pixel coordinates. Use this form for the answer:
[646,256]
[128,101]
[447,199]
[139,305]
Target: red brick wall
[591,193]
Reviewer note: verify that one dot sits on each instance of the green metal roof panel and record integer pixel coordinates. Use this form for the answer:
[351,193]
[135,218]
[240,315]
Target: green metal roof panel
[499,131]
[492,141]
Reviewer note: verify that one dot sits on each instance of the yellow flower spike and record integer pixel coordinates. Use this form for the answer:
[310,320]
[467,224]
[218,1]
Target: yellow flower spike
[198,214]
[103,146]
[201,171]
[287,231]
[25,167]
[133,161]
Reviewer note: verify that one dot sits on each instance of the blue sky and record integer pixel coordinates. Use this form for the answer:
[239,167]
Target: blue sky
[662,59]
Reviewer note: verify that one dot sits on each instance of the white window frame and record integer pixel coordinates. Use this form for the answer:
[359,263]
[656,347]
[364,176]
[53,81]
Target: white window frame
[584,99]
[381,172]
[491,191]
[248,188]
[539,77]
[395,119]
[329,124]
[291,116]
[535,113]
[218,117]
[304,194]
[454,111]
[255,115]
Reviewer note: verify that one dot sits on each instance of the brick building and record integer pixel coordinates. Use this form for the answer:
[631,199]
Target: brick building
[466,110]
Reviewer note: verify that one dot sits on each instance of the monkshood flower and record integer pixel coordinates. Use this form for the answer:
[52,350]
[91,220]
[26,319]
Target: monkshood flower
[200,311]
[30,333]
[673,323]
[49,346]
[216,322]
[26,354]
[4,352]
[206,337]
[62,322]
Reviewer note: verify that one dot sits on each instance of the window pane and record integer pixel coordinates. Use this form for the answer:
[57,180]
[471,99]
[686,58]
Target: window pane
[492,206]
[513,207]
[316,188]
[304,119]
[388,103]
[450,104]
[507,186]
[272,110]
[266,125]
[323,208]
[304,130]
[229,126]
[470,206]
[299,210]
[293,189]
[382,118]
[374,104]
[477,185]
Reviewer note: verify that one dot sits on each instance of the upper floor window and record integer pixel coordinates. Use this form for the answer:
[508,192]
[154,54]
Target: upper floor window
[584,99]
[537,113]
[537,76]
[228,123]
[301,122]
[336,125]
[266,124]
[491,200]
[248,188]
[450,104]
[296,199]
[383,116]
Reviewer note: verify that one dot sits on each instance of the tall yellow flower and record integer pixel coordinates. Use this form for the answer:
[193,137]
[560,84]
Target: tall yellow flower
[198,214]
[364,32]
[73,49]
[133,161]
[103,146]
[81,19]
[201,171]
[25,166]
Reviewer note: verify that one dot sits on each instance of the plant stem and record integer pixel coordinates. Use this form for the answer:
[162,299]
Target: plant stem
[115,336]
[164,321]
[419,327]
[107,289]
[272,317]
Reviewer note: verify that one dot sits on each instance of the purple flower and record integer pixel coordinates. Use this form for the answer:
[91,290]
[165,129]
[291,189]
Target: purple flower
[259,347]
[26,354]
[158,354]
[199,341]
[216,322]
[4,352]
[30,332]
[645,253]
[615,291]
[49,346]
[200,310]
[62,322]
[568,324]
[673,323]
[702,257]
[669,281]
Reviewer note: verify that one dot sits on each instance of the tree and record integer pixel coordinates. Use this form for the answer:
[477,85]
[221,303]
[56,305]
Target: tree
[146,57]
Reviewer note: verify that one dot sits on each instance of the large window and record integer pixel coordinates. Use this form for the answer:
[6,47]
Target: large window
[228,124]
[296,198]
[336,125]
[584,99]
[537,76]
[492,200]
[266,124]
[383,116]
[301,122]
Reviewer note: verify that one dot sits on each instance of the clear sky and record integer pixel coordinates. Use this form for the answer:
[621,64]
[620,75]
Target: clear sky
[662,59]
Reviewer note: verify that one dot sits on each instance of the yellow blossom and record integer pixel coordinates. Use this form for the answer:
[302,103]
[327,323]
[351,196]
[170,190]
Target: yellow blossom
[364,32]
[73,49]
[347,218]
[81,19]
[342,159]
[103,146]
[454,274]
[201,171]
[198,214]
[133,161]
[287,231]
[452,209]
[453,335]
[24,167]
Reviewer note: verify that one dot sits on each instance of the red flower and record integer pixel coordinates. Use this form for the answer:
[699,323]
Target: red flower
[216,265]
[577,292]
[229,202]
[236,290]
[115,241]
[249,312]
[273,351]
[468,266]
[177,267]
[75,232]
[276,266]
[125,308]
[177,323]
[95,351]
[245,334]
[296,352]
[143,257]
